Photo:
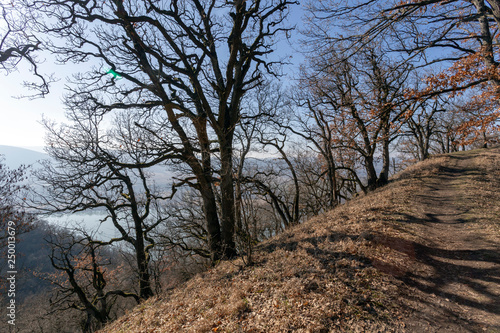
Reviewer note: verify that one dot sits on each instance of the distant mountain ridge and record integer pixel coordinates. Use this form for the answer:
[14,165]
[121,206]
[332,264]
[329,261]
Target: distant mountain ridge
[16,156]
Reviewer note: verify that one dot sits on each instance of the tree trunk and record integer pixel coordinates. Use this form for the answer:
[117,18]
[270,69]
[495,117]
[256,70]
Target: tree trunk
[227,198]
[426,145]
[145,290]
[212,220]
[383,178]
[487,38]
[371,173]
[237,207]
[448,148]
[204,177]
[331,174]
[332,182]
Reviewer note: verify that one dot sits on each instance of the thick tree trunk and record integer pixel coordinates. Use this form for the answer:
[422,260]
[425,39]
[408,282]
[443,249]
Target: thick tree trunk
[383,178]
[145,290]
[331,175]
[424,149]
[487,38]
[423,153]
[371,173]
[227,199]
[212,220]
[204,176]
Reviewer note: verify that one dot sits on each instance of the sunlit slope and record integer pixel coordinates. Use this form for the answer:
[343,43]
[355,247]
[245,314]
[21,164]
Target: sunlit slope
[366,266]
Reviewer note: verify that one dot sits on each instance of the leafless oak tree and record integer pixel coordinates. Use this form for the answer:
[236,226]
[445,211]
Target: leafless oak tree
[87,172]
[194,60]
[358,104]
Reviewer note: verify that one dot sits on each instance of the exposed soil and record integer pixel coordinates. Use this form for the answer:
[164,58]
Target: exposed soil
[456,284]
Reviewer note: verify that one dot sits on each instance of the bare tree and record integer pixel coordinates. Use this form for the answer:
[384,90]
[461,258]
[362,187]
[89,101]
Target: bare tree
[463,28]
[84,280]
[194,60]
[265,130]
[278,185]
[18,44]
[313,124]
[422,127]
[87,172]
[359,104]
[447,137]
[456,39]
[185,228]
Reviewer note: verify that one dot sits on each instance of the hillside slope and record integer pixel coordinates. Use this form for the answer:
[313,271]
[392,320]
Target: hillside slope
[421,254]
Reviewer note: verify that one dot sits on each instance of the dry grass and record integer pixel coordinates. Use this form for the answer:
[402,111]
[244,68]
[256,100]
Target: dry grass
[337,272]
[480,193]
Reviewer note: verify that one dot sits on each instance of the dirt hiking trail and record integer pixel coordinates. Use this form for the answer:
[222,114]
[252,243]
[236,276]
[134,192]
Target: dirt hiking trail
[455,286]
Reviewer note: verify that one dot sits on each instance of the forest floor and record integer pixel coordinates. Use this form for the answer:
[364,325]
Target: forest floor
[421,254]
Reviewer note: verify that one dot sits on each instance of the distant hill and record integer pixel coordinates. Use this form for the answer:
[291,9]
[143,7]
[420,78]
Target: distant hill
[15,156]
[32,255]
[421,254]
